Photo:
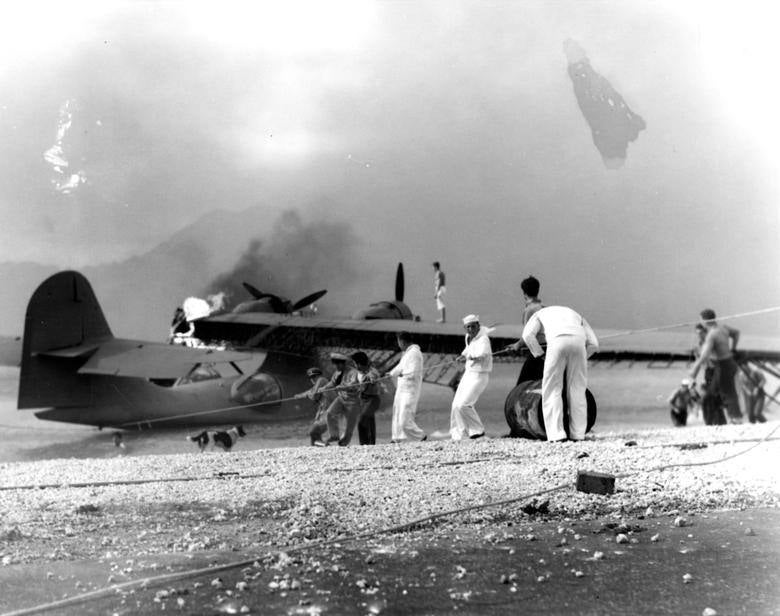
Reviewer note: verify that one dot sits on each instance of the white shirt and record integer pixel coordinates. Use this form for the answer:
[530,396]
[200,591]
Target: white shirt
[410,369]
[558,321]
[480,351]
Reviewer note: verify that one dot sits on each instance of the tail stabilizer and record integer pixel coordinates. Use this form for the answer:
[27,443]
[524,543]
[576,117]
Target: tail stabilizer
[63,313]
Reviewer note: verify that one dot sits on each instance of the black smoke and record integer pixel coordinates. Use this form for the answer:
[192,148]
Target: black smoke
[295,259]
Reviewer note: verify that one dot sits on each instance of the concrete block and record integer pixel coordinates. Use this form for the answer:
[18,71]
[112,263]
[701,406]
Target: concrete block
[595,483]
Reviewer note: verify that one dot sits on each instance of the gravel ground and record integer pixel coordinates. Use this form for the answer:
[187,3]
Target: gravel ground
[275,498]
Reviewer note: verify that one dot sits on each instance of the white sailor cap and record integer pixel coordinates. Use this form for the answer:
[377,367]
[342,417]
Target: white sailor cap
[472,318]
[338,357]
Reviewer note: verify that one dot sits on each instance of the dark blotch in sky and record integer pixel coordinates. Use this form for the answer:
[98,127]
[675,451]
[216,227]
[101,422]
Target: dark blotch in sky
[611,121]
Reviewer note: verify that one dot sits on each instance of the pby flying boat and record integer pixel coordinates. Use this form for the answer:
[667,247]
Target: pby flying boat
[253,362]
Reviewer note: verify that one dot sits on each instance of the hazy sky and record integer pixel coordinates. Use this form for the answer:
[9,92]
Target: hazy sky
[436,130]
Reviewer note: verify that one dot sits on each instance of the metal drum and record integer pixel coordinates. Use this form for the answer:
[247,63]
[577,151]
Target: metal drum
[523,411]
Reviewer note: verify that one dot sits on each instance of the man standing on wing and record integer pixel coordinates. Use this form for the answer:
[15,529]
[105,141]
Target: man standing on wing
[464,421]
[439,289]
[570,341]
[407,391]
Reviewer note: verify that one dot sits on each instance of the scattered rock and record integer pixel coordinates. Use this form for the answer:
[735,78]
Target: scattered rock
[687,578]
[534,508]
[87,509]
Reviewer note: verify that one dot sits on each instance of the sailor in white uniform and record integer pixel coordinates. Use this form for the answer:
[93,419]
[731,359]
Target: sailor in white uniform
[464,421]
[409,372]
[570,341]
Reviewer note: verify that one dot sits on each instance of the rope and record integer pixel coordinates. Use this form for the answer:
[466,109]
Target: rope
[738,315]
[281,400]
[157,580]
[229,475]
[627,332]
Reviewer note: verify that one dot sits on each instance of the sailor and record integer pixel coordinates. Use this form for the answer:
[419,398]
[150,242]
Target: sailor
[322,400]
[682,400]
[464,420]
[720,344]
[570,341]
[533,367]
[369,396]
[439,289]
[407,392]
[347,401]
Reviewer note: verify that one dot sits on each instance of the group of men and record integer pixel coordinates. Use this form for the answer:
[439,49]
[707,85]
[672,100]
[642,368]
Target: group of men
[724,379]
[560,342]
[353,393]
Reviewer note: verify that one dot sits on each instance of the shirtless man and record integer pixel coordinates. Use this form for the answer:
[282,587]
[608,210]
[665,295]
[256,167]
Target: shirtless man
[439,289]
[719,346]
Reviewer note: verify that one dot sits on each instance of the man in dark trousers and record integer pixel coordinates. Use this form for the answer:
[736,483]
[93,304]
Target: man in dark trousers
[322,400]
[347,401]
[369,396]
[533,367]
[719,346]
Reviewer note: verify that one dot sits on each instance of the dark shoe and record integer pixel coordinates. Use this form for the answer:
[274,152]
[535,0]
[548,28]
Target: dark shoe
[424,438]
[476,436]
[343,443]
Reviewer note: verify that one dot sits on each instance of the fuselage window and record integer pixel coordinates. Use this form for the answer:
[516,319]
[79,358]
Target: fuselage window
[201,372]
[260,387]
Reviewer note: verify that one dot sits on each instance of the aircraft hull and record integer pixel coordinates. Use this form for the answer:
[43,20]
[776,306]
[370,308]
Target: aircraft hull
[131,403]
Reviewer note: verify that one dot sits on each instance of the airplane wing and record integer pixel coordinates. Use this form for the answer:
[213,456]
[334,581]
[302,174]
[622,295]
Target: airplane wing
[131,358]
[302,334]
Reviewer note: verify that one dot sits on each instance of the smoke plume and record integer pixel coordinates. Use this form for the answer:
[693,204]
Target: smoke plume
[297,258]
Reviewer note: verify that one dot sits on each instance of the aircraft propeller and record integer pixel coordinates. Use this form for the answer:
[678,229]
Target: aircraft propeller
[399,283]
[280,304]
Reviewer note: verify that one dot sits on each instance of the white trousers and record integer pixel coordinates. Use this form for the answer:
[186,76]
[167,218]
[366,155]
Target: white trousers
[565,353]
[464,421]
[404,427]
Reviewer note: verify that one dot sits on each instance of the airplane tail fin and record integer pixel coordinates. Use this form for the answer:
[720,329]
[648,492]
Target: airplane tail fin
[63,326]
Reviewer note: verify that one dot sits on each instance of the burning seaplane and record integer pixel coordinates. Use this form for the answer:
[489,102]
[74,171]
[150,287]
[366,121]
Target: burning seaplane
[254,361]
